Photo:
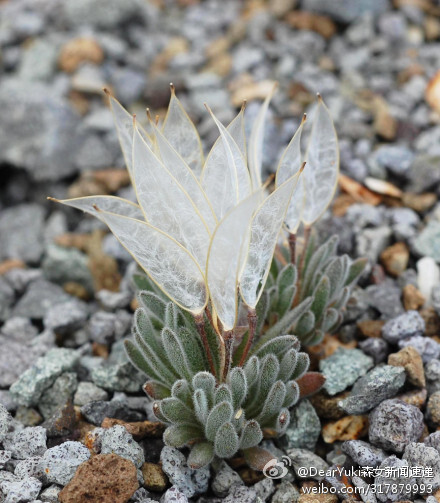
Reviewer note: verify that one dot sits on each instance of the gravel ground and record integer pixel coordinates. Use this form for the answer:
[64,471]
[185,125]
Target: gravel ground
[72,416]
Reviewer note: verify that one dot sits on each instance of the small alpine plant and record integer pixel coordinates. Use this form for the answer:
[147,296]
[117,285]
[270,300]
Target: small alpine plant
[216,329]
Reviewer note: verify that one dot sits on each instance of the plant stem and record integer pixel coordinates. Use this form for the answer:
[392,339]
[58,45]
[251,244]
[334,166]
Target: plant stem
[228,337]
[252,320]
[292,246]
[200,324]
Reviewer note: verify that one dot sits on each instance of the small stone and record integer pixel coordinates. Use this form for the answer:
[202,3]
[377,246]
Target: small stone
[370,242]
[395,259]
[427,348]
[402,491]
[118,377]
[113,300]
[403,326]
[224,479]
[427,242]
[5,422]
[58,394]
[410,359]
[328,407]
[319,497]
[26,443]
[355,364]
[434,408]
[419,202]
[189,482]
[154,477]
[62,422]
[385,298]
[66,317]
[304,428]
[243,494]
[60,463]
[32,383]
[432,321]
[303,458]
[96,412]
[376,348]
[432,375]
[394,424]
[104,327]
[106,478]
[23,490]
[5,456]
[412,298]
[347,428]
[28,416]
[286,493]
[117,440]
[77,51]
[428,276]
[173,495]
[370,328]
[264,489]
[88,392]
[395,158]
[420,454]
[19,328]
[377,385]
[433,440]
[51,493]
[30,467]
[363,453]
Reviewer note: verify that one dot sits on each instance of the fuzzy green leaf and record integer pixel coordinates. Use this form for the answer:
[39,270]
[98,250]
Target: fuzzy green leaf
[175,353]
[286,278]
[238,383]
[206,382]
[155,307]
[330,320]
[182,391]
[356,269]
[226,441]
[251,370]
[156,390]
[278,346]
[273,403]
[305,324]
[251,435]
[178,435]
[151,337]
[192,347]
[200,405]
[282,421]
[302,364]
[292,394]
[222,394]
[321,295]
[220,414]
[288,363]
[262,310]
[285,300]
[176,411]
[201,455]
[138,359]
[171,316]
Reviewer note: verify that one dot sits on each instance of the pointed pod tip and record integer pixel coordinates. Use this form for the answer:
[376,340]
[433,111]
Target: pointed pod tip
[106,91]
[243,106]
[304,118]
[134,120]
[55,200]
[318,95]
[95,207]
[173,89]
[303,165]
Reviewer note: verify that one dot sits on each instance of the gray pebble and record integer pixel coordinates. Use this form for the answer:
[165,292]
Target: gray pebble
[386,299]
[60,463]
[118,377]
[95,412]
[26,443]
[21,491]
[286,493]
[189,482]
[427,242]
[113,300]
[118,441]
[30,467]
[243,494]
[264,489]
[50,494]
[19,329]
[224,479]
[433,440]
[66,317]
[432,375]
[363,453]
[388,494]
[5,422]
[173,495]
[355,364]
[418,454]
[58,394]
[428,348]
[88,392]
[5,456]
[304,458]
[375,347]
[377,385]
[304,428]
[394,424]
[32,383]
[406,325]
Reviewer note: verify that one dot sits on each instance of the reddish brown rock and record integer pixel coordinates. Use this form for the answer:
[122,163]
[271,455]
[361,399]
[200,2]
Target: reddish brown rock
[139,429]
[432,321]
[415,397]
[371,328]
[106,478]
[412,298]
[409,358]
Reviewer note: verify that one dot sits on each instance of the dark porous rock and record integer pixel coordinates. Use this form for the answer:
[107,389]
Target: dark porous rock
[92,482]
[428,348]
[363,453]
[39,297]
[62,422]
[243,494]
[402,327]
[376,348]
[96,412]
[377,385]
[394,424]
[39,131]
[432,375]
[403,482]
[21,231]
[6,299]
[346,11]
[105,327]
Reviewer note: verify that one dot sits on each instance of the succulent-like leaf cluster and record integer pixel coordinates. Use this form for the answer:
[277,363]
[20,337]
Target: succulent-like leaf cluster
[309,303]
[215,419]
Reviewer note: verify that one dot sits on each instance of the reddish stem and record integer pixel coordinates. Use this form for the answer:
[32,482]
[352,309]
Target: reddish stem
[252,320]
